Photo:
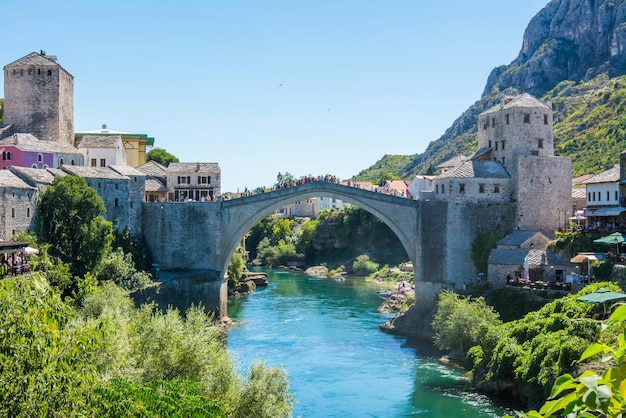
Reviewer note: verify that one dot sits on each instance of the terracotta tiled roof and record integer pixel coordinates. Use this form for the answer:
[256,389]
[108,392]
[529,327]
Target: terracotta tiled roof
[524,100]
[609,176]
[193,168]
[581,179]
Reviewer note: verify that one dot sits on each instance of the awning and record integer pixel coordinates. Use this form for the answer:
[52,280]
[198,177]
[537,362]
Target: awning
[604,211]
[602,296]
[581,258]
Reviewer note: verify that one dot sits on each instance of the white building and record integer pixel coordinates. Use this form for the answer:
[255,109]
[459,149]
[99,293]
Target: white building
[102,150]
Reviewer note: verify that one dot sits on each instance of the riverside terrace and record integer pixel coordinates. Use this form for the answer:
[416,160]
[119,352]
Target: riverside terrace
[12,258]
[437,235]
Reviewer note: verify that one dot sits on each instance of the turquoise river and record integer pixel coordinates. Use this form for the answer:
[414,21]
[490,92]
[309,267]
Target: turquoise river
[325,334]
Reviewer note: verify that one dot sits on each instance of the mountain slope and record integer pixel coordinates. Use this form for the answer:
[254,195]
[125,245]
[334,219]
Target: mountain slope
[581,43]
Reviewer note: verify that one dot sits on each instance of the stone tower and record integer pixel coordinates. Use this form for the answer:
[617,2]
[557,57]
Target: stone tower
[518,133]
[39,98]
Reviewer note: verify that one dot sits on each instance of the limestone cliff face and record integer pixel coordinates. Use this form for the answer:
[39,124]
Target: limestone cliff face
[567,40]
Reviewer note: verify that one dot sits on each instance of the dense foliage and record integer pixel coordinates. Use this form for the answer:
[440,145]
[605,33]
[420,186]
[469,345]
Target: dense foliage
[161,156]
[107,358]
[363,266]
[68,218]
[592,394]
[526,356]
[336,237]
[461,322]
[388,165]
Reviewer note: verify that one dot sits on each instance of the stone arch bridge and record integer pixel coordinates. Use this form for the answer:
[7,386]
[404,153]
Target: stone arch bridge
[437,235]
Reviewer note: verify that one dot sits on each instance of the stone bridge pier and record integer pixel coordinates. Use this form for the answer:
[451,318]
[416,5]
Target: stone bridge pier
[200,237]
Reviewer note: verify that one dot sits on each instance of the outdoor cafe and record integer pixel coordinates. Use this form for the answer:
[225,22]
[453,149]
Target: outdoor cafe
[13,257]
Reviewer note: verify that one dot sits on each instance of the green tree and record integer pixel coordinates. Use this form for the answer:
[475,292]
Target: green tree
[68,218]
[236,266]
[161,156]
[120,269]
[1,111]
[363,266]
[460,322]
[387,176]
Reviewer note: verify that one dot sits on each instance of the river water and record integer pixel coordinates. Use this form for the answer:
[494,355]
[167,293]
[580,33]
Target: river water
[324,333]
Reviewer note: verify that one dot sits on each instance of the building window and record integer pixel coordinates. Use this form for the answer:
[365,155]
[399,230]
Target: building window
[49,73]
[502,160]
[204,179]
[490,143]
[493,122]
[34,165]
[608,195]
[443,189]
[437,188]
[9,156]
[45,166]
[526,117]
[507,118]
[496,145]
[94,162]
[486,123]
[39,157]
[61,161]
[496,188]
[594,196]
[503,145]
[30,71]
[184,179]
[117,186]
[481,188]
[28,212]
[616,196]
[103,162]
[599,197]
[589,196]
[72,162]
[117,202]
[462,188]
[545,119]
[539,143]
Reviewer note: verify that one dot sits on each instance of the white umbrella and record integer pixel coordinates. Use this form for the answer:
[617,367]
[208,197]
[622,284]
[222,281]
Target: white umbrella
[30,250]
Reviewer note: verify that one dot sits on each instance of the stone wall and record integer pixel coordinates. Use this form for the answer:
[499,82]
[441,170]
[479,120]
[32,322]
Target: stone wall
[17,209]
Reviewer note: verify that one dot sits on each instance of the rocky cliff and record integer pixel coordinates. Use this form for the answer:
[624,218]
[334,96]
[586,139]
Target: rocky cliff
[573,40]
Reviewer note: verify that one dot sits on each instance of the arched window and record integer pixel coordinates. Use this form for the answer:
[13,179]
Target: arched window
[72,162]
[61,161]
[33,166]
[39,157]
[4,155]
[8,155]
[45,166]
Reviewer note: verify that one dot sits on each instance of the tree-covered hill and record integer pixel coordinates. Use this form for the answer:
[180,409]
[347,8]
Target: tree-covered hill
[574,54]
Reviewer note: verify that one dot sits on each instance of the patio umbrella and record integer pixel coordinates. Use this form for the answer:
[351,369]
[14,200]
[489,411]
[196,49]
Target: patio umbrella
[30,250]
[602,297]
[615,238]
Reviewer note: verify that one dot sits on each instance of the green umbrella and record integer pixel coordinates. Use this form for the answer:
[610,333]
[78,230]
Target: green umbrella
[614,239]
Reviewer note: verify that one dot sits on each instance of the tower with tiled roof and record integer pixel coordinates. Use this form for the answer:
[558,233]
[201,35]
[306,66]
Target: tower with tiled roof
[39,98]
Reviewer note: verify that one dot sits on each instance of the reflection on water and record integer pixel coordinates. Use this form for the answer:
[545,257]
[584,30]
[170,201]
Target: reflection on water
[325,334]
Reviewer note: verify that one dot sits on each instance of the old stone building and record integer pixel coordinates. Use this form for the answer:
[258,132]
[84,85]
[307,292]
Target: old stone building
[115,190]
[514,163]
[18,200]
[193,181]
[39,98]
[102,150]
[24,150]
[135,144]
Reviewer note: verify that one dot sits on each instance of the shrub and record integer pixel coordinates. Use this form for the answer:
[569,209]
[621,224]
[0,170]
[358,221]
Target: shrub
[363,266]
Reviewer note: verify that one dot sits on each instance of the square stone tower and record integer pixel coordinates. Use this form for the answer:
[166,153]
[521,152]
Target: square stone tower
[518,134]
[39,98]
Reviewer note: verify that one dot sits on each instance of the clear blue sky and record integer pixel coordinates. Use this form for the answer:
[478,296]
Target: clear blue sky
[308,87]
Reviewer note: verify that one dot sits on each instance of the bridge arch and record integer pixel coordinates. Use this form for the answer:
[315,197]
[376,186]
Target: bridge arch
[397,213]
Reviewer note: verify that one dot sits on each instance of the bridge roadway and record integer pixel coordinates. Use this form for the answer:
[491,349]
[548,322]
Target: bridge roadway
[202,236]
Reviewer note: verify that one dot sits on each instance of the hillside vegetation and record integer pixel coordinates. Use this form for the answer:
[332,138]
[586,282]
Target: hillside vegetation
[589,128]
